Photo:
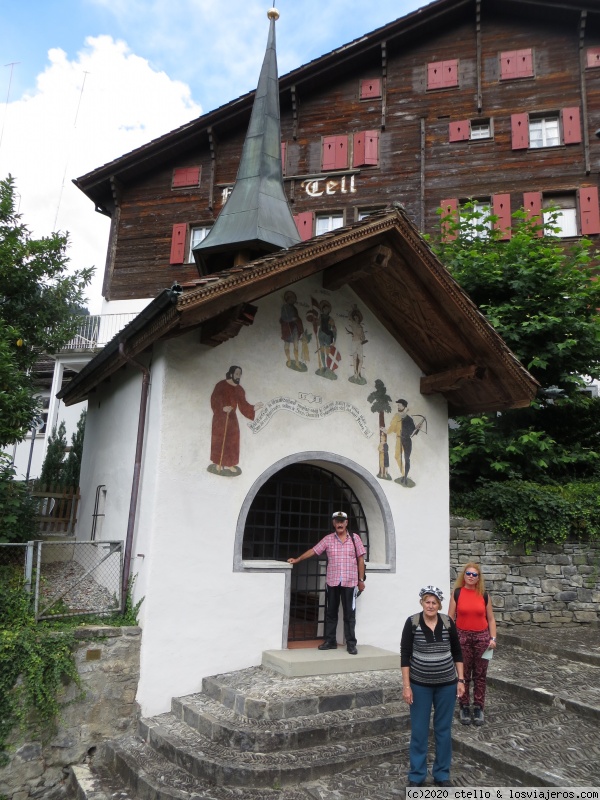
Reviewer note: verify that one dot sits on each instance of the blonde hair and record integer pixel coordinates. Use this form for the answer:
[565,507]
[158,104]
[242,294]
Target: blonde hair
[460,578]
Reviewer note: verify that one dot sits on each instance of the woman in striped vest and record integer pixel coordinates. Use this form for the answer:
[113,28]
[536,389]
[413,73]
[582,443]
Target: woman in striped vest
[432,675]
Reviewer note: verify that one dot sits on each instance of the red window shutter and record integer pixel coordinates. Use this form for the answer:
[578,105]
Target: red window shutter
[520,131]
[365,151]
[571,122]
[508,65]
[341,152]
[304,223]
[590,210]
[186,176]
[501,209]
[449,209]
[532,203]
[459,131]
[328,156]
[370,87]
[593,56]
[178,243]
[434,75]
[283,152]
[450,73]
[524,59]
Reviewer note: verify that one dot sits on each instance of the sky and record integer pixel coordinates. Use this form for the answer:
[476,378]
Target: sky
[84,81]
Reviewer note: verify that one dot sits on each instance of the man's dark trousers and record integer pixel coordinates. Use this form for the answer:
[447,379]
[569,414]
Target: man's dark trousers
[334,594]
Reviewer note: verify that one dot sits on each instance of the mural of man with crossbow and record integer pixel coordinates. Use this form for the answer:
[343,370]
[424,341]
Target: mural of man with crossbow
[405,428]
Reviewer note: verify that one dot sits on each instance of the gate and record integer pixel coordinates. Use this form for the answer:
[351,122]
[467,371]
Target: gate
[288,516]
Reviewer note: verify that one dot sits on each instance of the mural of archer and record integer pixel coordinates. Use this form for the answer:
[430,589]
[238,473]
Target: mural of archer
[404,426]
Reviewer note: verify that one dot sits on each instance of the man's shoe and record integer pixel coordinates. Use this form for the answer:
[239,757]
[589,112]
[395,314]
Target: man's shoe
[441,783]
[327,646]
[352,649]
[478,715]
[414,783]
[464,715]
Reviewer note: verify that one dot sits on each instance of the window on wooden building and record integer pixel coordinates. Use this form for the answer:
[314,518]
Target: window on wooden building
[363,213]
[184,177]
[442,74]
[324,223]
[498,206]
[575,213]
[369,88]
[544,131]
[197,234]
[334,153]
[476,222]
[516,64]
[365,151]
[465,130]
[551,129]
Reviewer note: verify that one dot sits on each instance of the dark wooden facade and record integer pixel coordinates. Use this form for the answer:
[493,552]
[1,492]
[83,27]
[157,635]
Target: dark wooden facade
[398,138]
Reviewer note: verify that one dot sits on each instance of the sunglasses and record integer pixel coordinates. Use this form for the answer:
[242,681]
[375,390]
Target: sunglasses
[472,574]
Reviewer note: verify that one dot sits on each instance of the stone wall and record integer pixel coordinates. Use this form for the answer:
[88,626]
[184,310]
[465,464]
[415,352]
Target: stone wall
[101,708]
[554,585]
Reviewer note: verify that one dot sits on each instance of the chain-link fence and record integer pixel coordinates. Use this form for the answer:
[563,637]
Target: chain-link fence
[67,579]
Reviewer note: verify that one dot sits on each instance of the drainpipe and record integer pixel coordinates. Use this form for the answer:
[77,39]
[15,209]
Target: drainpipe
[136,469]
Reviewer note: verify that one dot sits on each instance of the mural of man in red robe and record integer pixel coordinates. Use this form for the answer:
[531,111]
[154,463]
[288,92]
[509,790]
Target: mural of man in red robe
[227,398]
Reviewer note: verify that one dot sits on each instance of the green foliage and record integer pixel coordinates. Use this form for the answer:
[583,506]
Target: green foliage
[542,297]
[380,401]
[535,514]
[38,293]
[53,466]
[16,507]
[34,662]
[72,466]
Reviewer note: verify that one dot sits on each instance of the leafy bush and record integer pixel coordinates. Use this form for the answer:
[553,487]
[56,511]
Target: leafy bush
[535,514]
[17,509]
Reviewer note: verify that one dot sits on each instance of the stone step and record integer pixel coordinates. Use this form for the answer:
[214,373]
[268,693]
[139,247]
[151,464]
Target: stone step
[224,727]
[262,694]
[550,679]
[301,662]
[202,758]
[566,642]
[535,743]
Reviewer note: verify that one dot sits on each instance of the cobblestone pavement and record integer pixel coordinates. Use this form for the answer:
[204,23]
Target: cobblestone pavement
[542,715]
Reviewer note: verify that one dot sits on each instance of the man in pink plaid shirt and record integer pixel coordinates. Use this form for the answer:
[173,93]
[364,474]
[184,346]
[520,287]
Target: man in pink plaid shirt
[345,578]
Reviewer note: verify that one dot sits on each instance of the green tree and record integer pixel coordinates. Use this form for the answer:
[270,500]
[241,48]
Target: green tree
[38,291]
[380,401]
[542,297]
[72,466]
[53,468]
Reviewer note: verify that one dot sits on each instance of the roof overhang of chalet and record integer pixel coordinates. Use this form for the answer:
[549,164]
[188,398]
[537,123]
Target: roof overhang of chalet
[102,184]
[393,272]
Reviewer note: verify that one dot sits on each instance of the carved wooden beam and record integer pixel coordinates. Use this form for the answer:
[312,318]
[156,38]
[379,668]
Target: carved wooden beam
[227,325]
[451,379]
[362,265]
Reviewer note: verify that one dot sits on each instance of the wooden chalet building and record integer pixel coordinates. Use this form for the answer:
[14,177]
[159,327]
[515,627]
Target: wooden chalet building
[311,346]
[497,101]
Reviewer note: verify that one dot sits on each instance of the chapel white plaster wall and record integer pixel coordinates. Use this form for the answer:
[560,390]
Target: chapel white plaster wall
[201,616]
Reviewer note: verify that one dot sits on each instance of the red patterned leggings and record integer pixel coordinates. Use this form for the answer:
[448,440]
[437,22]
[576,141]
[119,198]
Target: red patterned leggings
[473,644]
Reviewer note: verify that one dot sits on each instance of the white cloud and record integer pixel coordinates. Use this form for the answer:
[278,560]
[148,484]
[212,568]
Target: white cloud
[84,113]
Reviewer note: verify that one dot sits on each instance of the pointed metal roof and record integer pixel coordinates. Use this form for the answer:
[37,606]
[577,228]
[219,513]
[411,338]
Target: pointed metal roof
[256,216]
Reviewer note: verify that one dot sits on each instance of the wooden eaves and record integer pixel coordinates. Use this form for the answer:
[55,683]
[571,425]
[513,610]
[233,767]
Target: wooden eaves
[393,272]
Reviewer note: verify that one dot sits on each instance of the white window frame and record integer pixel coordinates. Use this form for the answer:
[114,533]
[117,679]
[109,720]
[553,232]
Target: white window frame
[198,233]
[482,206]
[325,223]
[480,129]
[565,222]
[549,131]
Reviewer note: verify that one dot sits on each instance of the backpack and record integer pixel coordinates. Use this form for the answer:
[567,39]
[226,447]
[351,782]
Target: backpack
[444,617]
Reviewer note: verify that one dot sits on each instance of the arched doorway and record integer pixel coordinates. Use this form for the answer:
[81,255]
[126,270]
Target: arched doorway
[290,512]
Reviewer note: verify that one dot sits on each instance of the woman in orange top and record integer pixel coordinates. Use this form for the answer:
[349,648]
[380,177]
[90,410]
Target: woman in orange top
[471,608]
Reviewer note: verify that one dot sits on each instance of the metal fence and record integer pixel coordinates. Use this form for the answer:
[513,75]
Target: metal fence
[69,578]
[94,331]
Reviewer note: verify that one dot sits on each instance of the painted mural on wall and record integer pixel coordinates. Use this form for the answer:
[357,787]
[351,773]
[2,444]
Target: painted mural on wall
[227,398]
[394,439]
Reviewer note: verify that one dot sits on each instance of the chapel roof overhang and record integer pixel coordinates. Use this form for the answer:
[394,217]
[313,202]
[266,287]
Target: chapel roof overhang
[393,272]
[433,18]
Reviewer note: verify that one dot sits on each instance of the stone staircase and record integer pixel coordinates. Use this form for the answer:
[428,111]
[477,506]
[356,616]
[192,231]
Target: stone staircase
[257,734]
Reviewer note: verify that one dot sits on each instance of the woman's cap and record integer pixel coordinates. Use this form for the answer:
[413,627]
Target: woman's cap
[432,590]
[339,515]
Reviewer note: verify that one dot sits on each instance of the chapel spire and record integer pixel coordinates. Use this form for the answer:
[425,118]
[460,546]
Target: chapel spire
[256,219]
